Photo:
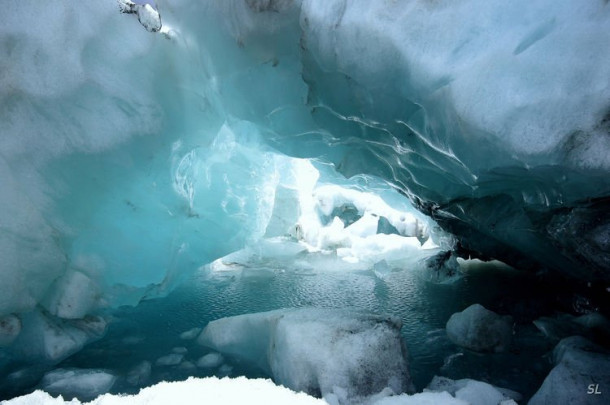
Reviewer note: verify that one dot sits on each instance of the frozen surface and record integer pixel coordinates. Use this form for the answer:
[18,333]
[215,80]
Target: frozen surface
[322,352]
[480,329]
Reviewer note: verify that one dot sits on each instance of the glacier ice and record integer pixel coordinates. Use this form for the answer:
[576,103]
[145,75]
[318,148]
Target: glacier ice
[579,364]
[480,329]
[318,351]
[207,135]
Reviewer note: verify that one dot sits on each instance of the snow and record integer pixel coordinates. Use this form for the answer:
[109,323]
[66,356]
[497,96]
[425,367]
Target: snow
[147,15]
[317,350]
[211,391]
[214,391]
[479,329]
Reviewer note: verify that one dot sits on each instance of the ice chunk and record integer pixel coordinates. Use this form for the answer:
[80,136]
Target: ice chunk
[317,350]
[191,392]
[592,326]
[180,350]
[210,360]
[468,265]
[479,329]
[286,211]
[139,374]
[72,296]
[582,368]
[147,15]
[81,383]
[52,339]
[170,360]
[10,326]
[190,334]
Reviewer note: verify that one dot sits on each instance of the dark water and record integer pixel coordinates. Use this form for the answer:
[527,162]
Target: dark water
[152,329]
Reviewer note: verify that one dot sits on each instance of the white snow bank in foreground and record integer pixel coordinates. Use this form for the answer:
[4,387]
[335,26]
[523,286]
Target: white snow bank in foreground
[229,391]
[208,391]
[342,355]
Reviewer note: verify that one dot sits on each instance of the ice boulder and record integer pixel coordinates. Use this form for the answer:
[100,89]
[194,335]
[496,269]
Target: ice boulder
[81,383]
[45,338]
[318,351]
[476,328]
[594,326]
[580,376]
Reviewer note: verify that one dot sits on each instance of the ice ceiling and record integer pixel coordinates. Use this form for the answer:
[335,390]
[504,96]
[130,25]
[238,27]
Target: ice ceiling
[129,158]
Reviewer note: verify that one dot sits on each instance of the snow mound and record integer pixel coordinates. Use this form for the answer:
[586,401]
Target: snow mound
[211,391]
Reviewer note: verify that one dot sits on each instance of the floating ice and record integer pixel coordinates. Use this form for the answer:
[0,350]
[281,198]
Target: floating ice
[170,360]
[139,374]
[479,329]
[317,350]
[190,334]
[210,360]
[82,383]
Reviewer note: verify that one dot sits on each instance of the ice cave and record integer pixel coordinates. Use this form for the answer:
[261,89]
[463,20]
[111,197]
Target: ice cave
[332,202]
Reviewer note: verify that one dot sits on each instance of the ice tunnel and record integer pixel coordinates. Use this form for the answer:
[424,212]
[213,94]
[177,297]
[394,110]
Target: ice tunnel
[340,202]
